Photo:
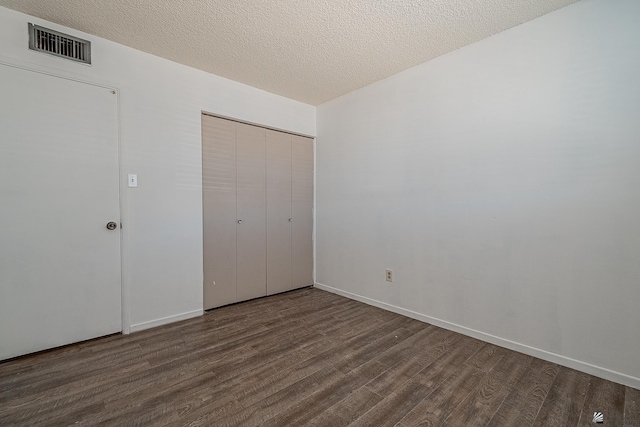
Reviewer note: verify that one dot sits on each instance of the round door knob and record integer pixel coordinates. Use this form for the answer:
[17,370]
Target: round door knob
[290,219]
[111,225]
[239,221]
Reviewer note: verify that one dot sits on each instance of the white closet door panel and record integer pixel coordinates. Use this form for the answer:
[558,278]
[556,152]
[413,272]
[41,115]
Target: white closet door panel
[278,212]
[59,184]
[302,211]
[251,216]
[219,210]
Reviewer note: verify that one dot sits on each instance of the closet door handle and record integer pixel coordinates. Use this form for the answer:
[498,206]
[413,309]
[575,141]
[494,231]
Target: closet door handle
[290,219]
[239,221]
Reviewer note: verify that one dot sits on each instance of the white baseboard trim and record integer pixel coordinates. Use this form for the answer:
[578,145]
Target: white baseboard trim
[166,320]
[512,345]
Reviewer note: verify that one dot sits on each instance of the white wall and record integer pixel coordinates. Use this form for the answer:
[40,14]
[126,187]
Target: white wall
[160,107]
[501,183]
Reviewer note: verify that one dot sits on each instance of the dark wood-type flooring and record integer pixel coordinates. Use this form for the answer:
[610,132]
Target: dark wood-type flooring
[304,358]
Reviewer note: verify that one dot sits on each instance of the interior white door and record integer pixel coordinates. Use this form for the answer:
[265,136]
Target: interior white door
[59,264]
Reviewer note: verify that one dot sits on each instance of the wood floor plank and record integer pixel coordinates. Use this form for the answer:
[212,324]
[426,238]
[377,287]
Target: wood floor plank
[77,399]
[233,349]
[399,403]
[406,368]
[521,407]
[269,348]
[606,397]
[40,361]
[372,362]
[369,351]
[440,404]
[322,399]
[347,410]
[259,413]
[481,404]
[142,348]
[250,395]
[206,403]
[137,384]
[565,399]
[305,357]
[631,407]
[146,402]
[486,359]
[355,359]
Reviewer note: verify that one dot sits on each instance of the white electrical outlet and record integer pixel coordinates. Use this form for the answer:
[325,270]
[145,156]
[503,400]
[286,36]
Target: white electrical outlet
[389,275]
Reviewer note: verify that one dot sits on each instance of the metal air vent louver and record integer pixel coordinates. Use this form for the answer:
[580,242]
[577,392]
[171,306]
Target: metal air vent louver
[59,44]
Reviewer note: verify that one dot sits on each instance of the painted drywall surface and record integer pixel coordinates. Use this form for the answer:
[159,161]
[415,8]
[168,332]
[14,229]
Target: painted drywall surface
[160,107]
[501,184]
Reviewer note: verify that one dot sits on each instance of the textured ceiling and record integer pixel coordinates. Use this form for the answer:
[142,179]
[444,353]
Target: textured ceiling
[309,50]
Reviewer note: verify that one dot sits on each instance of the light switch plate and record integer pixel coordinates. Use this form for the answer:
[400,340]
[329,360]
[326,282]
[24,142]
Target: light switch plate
[133,180]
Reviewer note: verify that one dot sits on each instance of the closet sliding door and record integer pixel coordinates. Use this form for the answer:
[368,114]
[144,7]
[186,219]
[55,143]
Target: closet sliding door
[278,212]
[251,203]
[219,211]
[257,201]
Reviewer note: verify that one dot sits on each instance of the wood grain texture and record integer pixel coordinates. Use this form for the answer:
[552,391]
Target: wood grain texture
[606,397]
[302,358]
[347,410]
[400,402]
[443,402]
[521,407]
[631,407]
[482,403]
[564,402]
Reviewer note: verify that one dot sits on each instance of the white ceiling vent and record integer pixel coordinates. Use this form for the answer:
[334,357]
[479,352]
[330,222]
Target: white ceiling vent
[59,44]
